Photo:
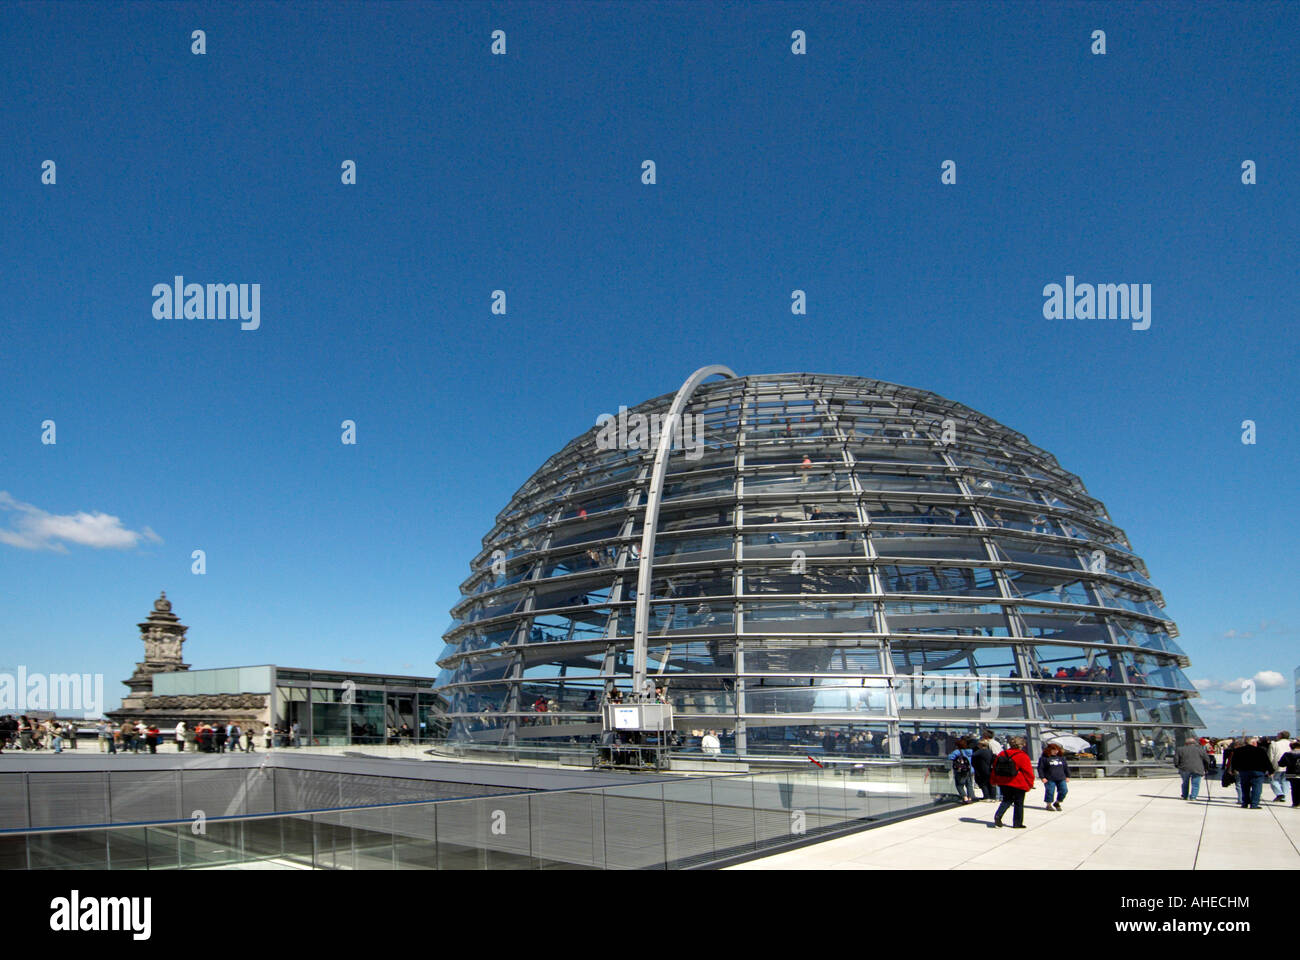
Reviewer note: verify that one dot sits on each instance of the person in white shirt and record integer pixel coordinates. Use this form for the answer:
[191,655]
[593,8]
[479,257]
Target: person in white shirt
[180,736]
[710,744]
[1280,745]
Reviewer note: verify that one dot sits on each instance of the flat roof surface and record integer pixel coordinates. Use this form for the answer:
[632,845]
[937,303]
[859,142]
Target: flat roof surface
[1106,824]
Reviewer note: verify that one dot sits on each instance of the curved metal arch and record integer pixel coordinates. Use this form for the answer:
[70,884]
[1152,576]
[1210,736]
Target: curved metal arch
[670,428]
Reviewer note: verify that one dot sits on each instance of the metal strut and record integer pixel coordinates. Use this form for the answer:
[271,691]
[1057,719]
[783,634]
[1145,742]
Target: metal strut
[651,521]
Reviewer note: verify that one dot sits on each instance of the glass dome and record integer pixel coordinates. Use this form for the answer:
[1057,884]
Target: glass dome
[840,566]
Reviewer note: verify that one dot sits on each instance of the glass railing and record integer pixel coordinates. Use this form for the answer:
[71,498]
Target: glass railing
[667,824]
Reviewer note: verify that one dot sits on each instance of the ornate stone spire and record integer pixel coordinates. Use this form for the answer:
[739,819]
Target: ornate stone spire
[163,635]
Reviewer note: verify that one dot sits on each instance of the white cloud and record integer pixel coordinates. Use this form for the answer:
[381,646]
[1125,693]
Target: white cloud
[1225,719]
[35,529]
[1263,680]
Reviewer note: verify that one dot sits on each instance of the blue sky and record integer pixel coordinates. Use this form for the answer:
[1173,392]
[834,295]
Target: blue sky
[523,173]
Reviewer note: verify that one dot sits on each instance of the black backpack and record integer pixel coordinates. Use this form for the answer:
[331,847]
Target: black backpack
[961,765]
[1005,765]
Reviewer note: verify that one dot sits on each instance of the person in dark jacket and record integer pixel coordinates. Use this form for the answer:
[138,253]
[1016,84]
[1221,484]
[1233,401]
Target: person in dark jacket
[1229,779]
[960,762]
[1055,774]
[1193,763]
[981,763]
[1290,762]
[1252,766]
[1013,774]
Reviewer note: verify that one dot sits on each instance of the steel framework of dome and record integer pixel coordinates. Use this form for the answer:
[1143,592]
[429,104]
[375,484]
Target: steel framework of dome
[835,564]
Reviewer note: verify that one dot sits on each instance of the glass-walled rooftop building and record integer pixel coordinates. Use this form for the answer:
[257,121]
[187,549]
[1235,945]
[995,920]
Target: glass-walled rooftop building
[331,708]
[840,565]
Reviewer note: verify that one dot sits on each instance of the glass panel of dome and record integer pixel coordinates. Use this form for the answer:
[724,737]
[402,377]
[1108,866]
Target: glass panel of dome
[943,617]
[696,657]
[1009,519]
[589,506]
[772,656]
[497,605]
[810,616]
[1136,633]
[716,582]
[1052,657]
[918,483]
[679,519]
[918,452]
[949,581]
[522,546]
[986,486]
[898,511]
[813,543]
[559,565]
[808,480]
[572,593]
[938,546]
[583,532]
[836,698]
[558,628]
[704,696]
[1045,554]
[909,654]
[699,487]
[711,547]
[1069,626]
[817,578]
[670,618]
[1037,584]
[1111,596]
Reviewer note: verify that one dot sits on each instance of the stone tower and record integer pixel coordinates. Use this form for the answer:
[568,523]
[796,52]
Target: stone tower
[163,634]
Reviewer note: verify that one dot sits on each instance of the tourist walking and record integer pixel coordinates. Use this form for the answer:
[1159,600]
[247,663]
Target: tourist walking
[1013,774]
[962,771]
[180,736]
[1054,771]
[1252,766]
[267,734]
[981,762]
[235,735]
[1229,778]
[1289,763]
[1278,747]
[1192,763]
[248,740]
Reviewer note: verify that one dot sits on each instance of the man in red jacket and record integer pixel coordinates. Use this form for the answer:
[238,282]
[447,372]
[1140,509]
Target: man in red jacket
[1013,773]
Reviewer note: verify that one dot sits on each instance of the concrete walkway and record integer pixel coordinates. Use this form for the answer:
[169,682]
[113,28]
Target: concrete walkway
[1117,824]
